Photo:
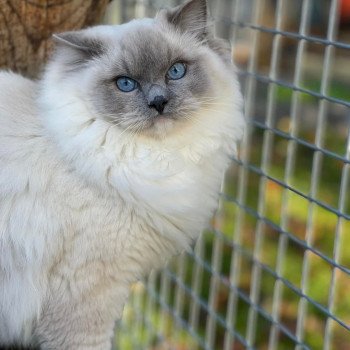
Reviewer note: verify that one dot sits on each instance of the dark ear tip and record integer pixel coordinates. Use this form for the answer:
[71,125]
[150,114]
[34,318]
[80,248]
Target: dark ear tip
[71,39]
[55,36]
[201,3]
[61,38]
[191,16]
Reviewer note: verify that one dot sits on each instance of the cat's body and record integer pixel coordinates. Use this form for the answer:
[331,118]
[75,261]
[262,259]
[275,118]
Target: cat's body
[87,208]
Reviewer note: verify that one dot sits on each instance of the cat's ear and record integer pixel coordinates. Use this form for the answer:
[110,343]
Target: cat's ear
[191,17]
[78,46]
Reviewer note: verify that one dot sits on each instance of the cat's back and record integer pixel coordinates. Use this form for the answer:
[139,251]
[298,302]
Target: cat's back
[16,92]
[22,141]
[17,104]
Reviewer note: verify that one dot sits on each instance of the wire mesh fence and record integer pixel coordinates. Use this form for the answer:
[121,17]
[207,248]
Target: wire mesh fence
[272,271]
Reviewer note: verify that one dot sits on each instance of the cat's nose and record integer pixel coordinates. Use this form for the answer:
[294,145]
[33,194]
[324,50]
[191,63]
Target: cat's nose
[158,103]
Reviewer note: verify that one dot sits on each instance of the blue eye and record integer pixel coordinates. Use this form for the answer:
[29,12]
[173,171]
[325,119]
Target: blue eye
[176,71]
[126,84]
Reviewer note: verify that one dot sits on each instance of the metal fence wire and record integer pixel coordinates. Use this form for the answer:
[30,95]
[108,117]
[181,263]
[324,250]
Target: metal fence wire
[272,271]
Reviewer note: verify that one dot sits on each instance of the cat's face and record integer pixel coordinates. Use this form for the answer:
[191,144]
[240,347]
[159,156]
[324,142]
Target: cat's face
[148,82]
[148,76]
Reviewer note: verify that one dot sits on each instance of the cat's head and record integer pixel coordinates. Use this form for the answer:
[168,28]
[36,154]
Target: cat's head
[149,76]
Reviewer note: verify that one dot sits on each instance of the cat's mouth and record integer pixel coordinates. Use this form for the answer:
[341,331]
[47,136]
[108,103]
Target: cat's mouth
[158,125]
[161,124]
[166,123]
[163,118]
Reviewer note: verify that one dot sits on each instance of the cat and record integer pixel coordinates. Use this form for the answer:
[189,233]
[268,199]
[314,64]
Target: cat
[110,164]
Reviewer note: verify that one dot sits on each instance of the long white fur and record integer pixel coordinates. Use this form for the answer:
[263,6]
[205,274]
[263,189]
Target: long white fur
[86,209]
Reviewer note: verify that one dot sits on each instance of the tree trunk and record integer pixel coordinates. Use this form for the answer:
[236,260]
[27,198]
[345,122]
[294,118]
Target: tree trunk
[26,27]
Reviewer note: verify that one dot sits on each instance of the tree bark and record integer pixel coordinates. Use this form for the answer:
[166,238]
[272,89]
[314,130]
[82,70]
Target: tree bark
[26,27]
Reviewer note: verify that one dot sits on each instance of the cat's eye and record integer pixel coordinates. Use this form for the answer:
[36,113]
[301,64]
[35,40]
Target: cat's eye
[126,84]
[176,71]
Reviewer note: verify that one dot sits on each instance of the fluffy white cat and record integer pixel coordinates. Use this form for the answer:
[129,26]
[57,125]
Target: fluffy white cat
[109,165]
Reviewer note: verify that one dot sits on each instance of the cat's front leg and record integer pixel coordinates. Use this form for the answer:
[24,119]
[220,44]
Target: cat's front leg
[74,330]
[85,324]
